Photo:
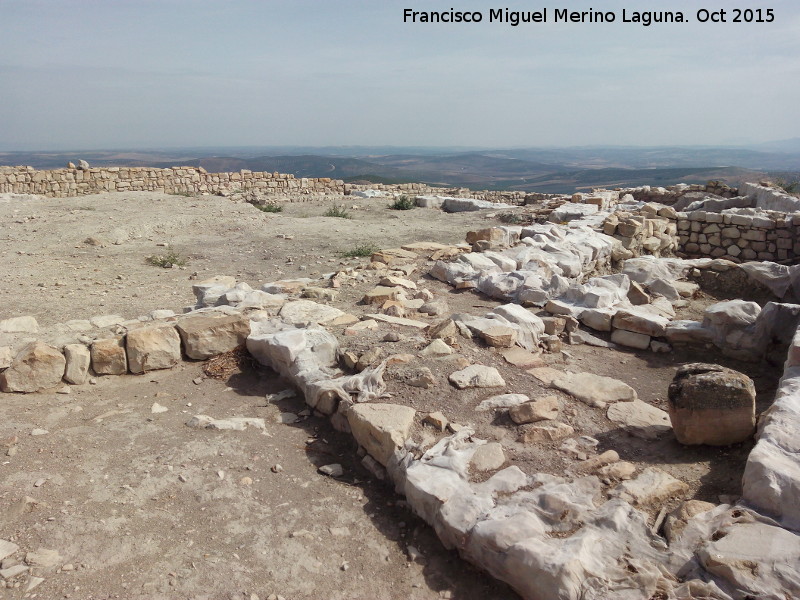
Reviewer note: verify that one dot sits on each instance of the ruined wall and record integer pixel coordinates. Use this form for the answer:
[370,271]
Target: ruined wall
[739,237]
[671,194]
[61,183]
[422,189]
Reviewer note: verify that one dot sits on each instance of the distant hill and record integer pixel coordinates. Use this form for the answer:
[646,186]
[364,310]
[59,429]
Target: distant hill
[557,170]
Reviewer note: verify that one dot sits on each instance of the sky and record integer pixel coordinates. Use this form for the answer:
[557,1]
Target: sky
[108,74]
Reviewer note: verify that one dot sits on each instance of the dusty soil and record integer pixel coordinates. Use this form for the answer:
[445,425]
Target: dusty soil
[144,507]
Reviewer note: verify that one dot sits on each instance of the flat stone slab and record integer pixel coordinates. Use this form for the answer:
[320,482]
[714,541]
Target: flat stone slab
[306,311]
[25,324]
[594,390]
[477,376]
[640,419]
[546,374]
[502,401]
[519,357]
[398,321]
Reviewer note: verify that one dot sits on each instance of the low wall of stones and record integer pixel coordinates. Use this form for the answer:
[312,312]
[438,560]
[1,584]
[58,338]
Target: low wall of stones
[539,533]
[671,194]
[422,189]
[739,237]
[62,183]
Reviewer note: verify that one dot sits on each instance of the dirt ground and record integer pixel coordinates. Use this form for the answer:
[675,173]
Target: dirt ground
[141,506]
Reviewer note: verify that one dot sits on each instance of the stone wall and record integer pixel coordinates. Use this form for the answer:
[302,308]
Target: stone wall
[739,237]
[671,194]
[62,183]
[422,189]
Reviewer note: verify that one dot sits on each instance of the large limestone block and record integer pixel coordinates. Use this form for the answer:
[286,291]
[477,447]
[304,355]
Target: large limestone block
[381,428]
[204,337]
[152,348]
[598,319]
[531,326]
[78,360]
[631,339]
[393,256]
[689,332]
[594,390]
[37,366]
[108,357]
[541,409]
[640,322]
[711,404]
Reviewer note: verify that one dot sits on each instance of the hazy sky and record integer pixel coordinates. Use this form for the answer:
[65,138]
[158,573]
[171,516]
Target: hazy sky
[138,73]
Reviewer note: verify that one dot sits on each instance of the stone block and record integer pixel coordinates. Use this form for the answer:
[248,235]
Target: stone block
[380,428]
[639,321]
[540,409]
[598,319]
[78,360]
[731,233]
[36,366]
[630,339]
[108,356]
[711,404]
[204,336]
[477,376]
[755,235]
[152,348]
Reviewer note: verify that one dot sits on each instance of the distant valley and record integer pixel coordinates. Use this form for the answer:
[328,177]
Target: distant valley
[553,170]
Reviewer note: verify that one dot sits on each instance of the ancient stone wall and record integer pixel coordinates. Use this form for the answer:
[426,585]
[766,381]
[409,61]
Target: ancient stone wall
[671,194]
[765,236]
[61,183]
[422,189]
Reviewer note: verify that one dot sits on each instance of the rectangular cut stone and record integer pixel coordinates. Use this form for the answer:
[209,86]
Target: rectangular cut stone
[108,357]
[152,348]
[204,336]
[630,339]
[640,322]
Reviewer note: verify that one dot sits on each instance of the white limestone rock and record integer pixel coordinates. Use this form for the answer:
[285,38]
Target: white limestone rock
[78,359]
[477,376]
[502,401]
[381,429]
[308,312]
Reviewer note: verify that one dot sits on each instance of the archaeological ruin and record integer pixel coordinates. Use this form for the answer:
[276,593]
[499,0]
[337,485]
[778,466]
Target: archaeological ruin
[596,396]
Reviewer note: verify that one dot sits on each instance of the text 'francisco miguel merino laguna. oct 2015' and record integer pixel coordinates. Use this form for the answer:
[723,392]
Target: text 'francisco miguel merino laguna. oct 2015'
[565,15]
